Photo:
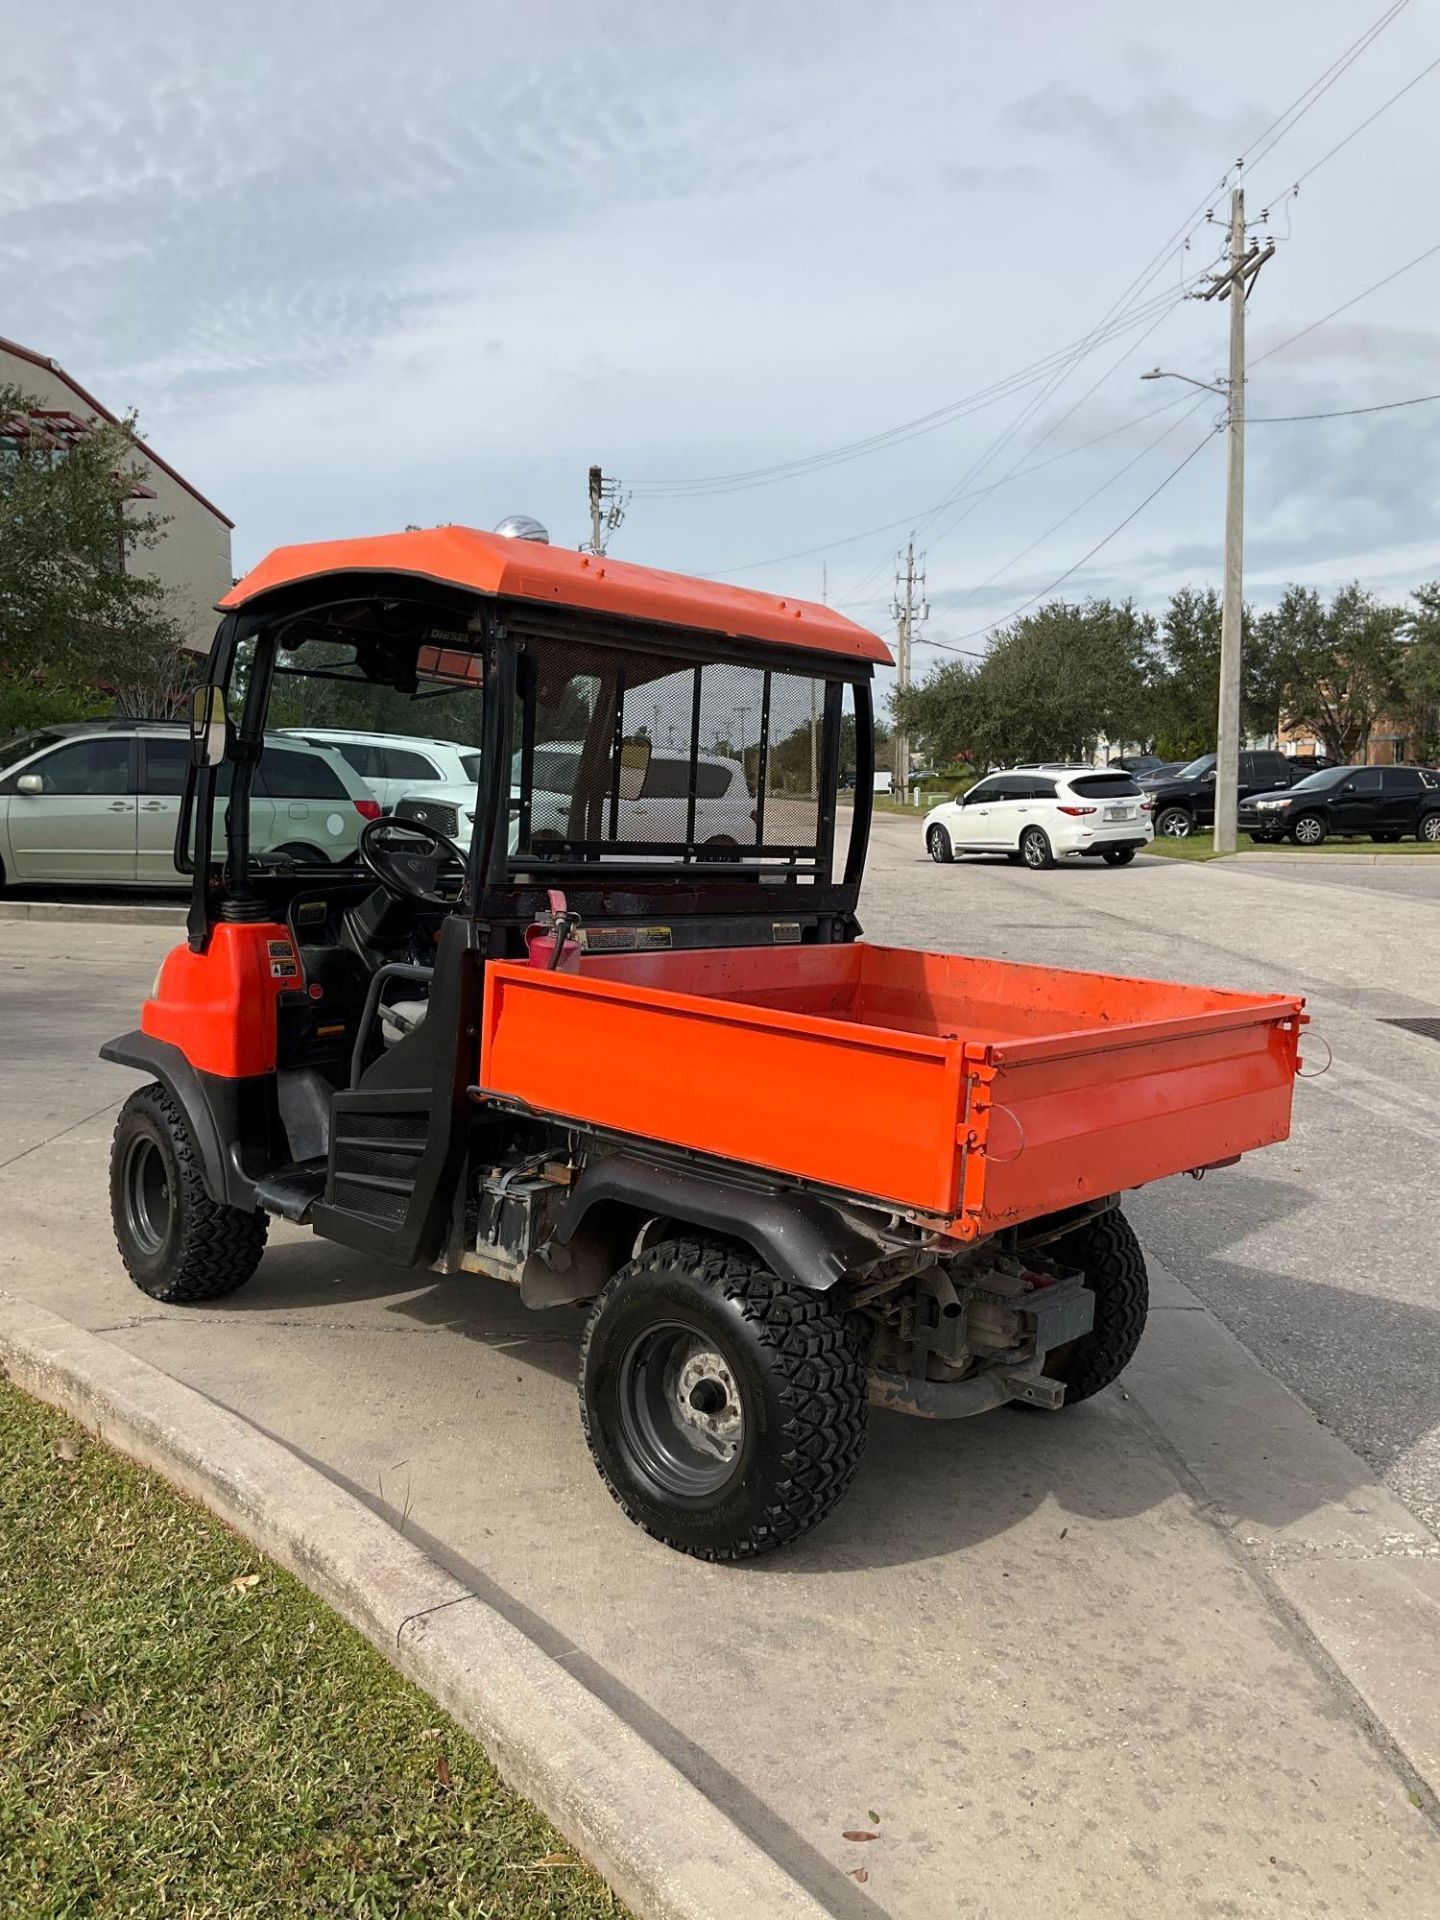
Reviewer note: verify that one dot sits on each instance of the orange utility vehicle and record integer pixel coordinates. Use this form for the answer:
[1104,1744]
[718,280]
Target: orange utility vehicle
[573,1035]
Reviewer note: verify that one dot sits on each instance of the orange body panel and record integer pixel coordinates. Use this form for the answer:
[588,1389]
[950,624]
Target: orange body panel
[975,1090]
[526,570]
[218,1007]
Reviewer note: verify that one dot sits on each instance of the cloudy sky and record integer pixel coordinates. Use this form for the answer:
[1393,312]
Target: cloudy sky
[361,264]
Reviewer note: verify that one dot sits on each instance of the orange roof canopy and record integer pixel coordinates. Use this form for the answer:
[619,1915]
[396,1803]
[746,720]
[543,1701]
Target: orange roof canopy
[492,563]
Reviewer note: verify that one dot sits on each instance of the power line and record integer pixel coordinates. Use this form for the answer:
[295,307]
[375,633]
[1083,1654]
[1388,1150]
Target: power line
[1061,578]
[1264,145]
[908,429]
[912,519]
[1339,413]
[1345,306]
[1121,315]
[1283,124]
[1369,120]
[1103,487]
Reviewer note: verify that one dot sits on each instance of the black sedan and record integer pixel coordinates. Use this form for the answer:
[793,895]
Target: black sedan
[1387,803]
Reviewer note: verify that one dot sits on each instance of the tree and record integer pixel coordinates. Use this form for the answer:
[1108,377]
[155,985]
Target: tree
[1343,665]
[1420,672]
[1187,691]
[1053,684]
[78,615]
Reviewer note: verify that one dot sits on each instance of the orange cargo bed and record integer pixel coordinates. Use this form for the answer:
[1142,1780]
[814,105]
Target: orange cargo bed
[978,1091]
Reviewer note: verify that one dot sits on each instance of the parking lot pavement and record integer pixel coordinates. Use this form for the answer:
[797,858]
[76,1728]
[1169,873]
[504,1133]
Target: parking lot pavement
[1322,1254]
[1051,1661]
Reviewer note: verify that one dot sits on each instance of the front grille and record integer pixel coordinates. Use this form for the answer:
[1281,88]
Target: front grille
[430,813]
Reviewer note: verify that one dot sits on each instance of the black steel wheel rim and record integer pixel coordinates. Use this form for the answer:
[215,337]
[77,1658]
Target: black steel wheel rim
[682,1423]
[147,1194]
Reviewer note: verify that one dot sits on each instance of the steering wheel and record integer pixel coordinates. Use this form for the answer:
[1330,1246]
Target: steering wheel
[412,872]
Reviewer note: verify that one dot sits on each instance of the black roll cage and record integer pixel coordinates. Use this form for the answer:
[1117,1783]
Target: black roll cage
[503,635]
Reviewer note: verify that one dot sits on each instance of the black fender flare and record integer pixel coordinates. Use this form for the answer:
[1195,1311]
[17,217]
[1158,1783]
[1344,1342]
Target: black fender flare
[225,1182]
[802,1238]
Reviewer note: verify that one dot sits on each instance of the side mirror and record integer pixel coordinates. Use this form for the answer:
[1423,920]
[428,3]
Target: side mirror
[634,765]
[209,727]
[30,783]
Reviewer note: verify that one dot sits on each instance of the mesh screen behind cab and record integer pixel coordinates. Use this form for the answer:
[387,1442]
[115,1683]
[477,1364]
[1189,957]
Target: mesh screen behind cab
[626,754]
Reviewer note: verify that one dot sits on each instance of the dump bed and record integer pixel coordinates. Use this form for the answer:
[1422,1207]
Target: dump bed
[978,1091]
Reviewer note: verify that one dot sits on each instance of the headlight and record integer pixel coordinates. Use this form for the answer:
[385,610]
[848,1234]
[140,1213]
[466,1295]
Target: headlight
[1272,800]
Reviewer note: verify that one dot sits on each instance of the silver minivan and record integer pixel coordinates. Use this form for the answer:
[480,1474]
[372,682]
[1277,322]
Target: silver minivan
[95,803]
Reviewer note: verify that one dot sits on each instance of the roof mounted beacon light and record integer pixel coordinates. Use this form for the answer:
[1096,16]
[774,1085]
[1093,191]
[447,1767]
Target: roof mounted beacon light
[520,526]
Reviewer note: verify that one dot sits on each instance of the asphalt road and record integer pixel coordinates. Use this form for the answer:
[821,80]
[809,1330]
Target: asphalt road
[1323,1255]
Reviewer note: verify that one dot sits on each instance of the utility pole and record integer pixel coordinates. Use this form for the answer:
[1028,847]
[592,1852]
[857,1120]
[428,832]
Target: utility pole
[1227,765]
[910,609]
[607,509]
[814,766]
[1232,282]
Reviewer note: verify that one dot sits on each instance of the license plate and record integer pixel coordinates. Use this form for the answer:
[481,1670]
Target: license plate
[1118,813]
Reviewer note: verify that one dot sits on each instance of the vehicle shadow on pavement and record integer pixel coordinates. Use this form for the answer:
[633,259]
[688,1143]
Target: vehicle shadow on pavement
[926,1490]
[1364,1364]
[301,1277]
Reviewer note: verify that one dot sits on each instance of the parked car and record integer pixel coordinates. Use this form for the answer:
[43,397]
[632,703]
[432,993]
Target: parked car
[394,764]
[1387,803]
[1138,763]
[1184,802]
[1085,813]
[724,806]
[96,803]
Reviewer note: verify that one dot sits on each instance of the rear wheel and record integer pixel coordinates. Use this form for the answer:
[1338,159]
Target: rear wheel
[1309,830]
[1118,856]
[177,1243]
[1035,849]
[724,1409]
[1175,823]
[937,845]
[1108,1254]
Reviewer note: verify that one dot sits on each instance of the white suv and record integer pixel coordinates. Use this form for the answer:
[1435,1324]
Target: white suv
[394,764]
[1041,817]
[724,805]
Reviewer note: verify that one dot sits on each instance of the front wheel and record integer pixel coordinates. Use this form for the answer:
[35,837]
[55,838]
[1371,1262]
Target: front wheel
[724,1409]
[1118,856]
[1308,831]
[1035,849]
[177,1243]
[1175,823]
[937,845]
[1108,1254]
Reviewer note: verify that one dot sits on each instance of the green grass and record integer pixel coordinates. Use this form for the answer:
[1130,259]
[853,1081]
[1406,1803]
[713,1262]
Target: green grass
[186,1731]
[1201,846]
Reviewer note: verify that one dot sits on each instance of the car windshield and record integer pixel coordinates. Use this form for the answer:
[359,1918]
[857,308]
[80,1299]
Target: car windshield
[1316,782]
[1193,769]
[22,748]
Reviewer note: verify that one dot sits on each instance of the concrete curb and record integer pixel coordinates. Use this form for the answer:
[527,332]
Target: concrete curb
[664,1848]
[96,912]
[1337,1551]
[1262,857]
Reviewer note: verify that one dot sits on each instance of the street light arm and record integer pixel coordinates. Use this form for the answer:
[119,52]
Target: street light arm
[1160,373]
